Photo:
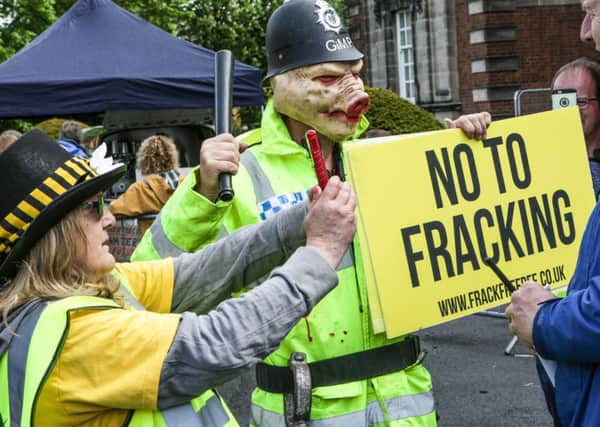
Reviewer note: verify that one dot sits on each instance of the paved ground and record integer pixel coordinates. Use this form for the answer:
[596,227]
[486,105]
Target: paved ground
[475,383]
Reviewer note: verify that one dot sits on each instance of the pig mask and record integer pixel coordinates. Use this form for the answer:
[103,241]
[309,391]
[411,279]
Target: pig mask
[327,97]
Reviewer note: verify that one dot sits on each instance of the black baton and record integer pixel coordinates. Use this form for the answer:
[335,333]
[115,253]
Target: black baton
[223,95]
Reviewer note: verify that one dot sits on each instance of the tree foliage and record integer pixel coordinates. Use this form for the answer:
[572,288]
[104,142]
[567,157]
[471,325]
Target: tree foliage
[396,115]
[238,25]
[21,21]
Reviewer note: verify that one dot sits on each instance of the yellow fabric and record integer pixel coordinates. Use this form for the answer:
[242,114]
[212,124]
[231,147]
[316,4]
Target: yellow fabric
[15,221]
[147,196]
[41,197]
[148,281]
[55,186]
[66,176]
[84,165]
[79,168]
[112,358]
[28,209]
[143,197]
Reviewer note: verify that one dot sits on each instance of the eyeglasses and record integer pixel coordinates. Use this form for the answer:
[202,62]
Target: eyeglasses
[584,101]
[97,205]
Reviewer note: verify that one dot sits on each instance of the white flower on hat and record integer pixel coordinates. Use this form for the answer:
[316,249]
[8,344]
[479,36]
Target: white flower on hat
[100,162]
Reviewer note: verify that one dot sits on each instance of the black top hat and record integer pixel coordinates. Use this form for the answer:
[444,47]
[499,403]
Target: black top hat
[40,184]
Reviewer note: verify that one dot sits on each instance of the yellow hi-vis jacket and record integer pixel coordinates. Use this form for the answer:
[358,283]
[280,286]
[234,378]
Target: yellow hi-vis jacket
[273,176]
[33,354]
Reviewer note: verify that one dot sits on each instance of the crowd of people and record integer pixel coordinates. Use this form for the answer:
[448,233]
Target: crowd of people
[144,343]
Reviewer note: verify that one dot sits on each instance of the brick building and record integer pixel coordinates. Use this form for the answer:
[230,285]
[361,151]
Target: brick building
[462,56]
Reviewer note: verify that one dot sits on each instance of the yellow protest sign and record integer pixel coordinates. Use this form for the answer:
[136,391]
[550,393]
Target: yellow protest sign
[432,206]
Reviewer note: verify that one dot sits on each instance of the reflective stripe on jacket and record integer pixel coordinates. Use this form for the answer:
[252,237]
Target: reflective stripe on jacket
[31,356]
[274,175]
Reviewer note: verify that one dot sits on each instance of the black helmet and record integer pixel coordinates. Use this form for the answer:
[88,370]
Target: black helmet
[306,32]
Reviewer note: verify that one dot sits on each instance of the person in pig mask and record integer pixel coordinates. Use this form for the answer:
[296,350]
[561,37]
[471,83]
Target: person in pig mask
[358,378]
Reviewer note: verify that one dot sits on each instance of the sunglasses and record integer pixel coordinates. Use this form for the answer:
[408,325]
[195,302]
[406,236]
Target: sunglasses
[97,205]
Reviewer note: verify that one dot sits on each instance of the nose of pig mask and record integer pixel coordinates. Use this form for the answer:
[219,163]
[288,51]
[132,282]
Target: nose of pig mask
[328,97]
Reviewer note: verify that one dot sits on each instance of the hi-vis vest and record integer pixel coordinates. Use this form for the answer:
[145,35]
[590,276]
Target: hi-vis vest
[32,354]
[273,175]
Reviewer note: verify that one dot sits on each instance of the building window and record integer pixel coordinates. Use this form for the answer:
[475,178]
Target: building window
[404,52]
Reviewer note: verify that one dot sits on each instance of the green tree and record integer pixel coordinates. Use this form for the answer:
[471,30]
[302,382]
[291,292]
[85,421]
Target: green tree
[167,15]
[237,25]
[21,21]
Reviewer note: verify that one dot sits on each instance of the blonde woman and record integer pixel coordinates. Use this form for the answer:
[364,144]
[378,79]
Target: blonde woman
[77,347]
[158,162]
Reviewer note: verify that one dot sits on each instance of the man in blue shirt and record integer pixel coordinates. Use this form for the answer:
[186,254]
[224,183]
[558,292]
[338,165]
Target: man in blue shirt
[566,330]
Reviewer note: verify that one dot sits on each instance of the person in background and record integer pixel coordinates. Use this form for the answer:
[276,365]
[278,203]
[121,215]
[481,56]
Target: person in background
[8,137]
[77,346]
[158,162]
[91,137]
[583,75]
[70,137]
[565,330]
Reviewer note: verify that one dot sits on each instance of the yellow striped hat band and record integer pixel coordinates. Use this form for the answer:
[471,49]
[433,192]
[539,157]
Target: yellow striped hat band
[12,226]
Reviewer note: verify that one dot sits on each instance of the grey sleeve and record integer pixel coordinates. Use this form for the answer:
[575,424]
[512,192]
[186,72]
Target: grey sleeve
[207,277]
[211,349]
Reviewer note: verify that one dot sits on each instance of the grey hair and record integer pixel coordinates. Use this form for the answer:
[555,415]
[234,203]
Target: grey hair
[71,130]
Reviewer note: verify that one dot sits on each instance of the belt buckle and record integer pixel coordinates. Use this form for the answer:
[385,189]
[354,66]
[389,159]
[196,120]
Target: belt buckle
[298,403]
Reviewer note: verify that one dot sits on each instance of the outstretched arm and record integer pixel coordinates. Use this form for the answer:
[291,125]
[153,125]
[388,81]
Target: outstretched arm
[253,251]
[213,348]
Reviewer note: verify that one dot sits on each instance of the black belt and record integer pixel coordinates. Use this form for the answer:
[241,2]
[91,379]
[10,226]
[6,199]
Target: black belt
[344,369]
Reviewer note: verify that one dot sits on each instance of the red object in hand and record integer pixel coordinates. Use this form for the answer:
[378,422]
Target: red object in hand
[317,157]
